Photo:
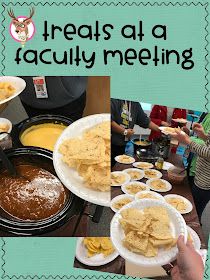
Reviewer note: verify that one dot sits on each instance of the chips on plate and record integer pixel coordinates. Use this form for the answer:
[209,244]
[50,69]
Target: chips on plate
[124,159]
[143,165]
[133,188]
[6,90]
[4,127]
[193,238]
[90,156]
[180,120]
[148,195]
[171,130]
[119,178]
[152,173]
[98,245]
[135,173]
[158,184]
[121,202]
[146,231]
[177,203]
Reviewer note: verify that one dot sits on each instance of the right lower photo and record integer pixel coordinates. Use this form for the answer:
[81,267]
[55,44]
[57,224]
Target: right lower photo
[160,190]
[160,185]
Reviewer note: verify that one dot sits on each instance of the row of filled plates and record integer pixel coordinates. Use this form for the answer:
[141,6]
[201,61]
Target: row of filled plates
[123,199]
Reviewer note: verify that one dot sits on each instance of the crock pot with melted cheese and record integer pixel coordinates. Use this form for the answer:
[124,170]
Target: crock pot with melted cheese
[42,135]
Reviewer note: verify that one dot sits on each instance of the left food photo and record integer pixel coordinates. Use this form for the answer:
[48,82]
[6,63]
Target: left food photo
[55,156]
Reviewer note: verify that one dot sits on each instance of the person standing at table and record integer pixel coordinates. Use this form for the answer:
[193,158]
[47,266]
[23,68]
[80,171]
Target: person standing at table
[124,115]
[201,185]
[205,122]
[56,95]
[162,116]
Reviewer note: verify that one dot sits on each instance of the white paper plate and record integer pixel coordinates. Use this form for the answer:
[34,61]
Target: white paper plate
[182,121]
[17,82]
[162,128]
[157,195]
[69,176]
[8,122]
[97,260]
[188,203]
[195,238]
[117,198]
[168,185]
[141,173]
[117,159]
[167,165]
[158,176]
[123,187]
[127,178]
[178,227]
[150,165]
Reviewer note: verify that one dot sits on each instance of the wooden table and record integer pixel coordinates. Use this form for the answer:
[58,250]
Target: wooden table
[118,265]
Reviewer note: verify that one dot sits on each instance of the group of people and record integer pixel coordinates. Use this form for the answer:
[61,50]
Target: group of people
[125,115]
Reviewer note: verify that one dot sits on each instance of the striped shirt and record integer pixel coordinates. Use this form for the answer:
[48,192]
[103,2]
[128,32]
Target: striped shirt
[202,171]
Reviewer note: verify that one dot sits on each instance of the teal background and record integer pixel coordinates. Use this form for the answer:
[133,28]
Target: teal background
[47,258]
[188,26]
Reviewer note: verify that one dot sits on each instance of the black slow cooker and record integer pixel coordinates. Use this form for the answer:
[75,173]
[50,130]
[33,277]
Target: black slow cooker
[73,204]
[19,128]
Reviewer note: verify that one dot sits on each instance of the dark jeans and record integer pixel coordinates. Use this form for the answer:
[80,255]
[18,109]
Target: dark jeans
[191,181]
[201,199]
[116,151]
[73,110]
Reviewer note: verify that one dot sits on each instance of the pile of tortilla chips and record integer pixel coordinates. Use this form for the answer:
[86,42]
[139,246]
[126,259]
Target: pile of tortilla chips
[151,173]
[177,203]
[135,175]
[117,179]
[146,231]
[158,184]
[6,90]
[135,188]
[98,245]
[122,202]
[125,159]
[90,156]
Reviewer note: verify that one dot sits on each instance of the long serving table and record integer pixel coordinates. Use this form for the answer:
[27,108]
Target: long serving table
[118,265]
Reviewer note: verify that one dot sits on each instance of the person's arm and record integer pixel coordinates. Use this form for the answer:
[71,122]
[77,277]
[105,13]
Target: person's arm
[153,126]
[198,129]
[189,263]
[198,149]
[119,129]
[142,119]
